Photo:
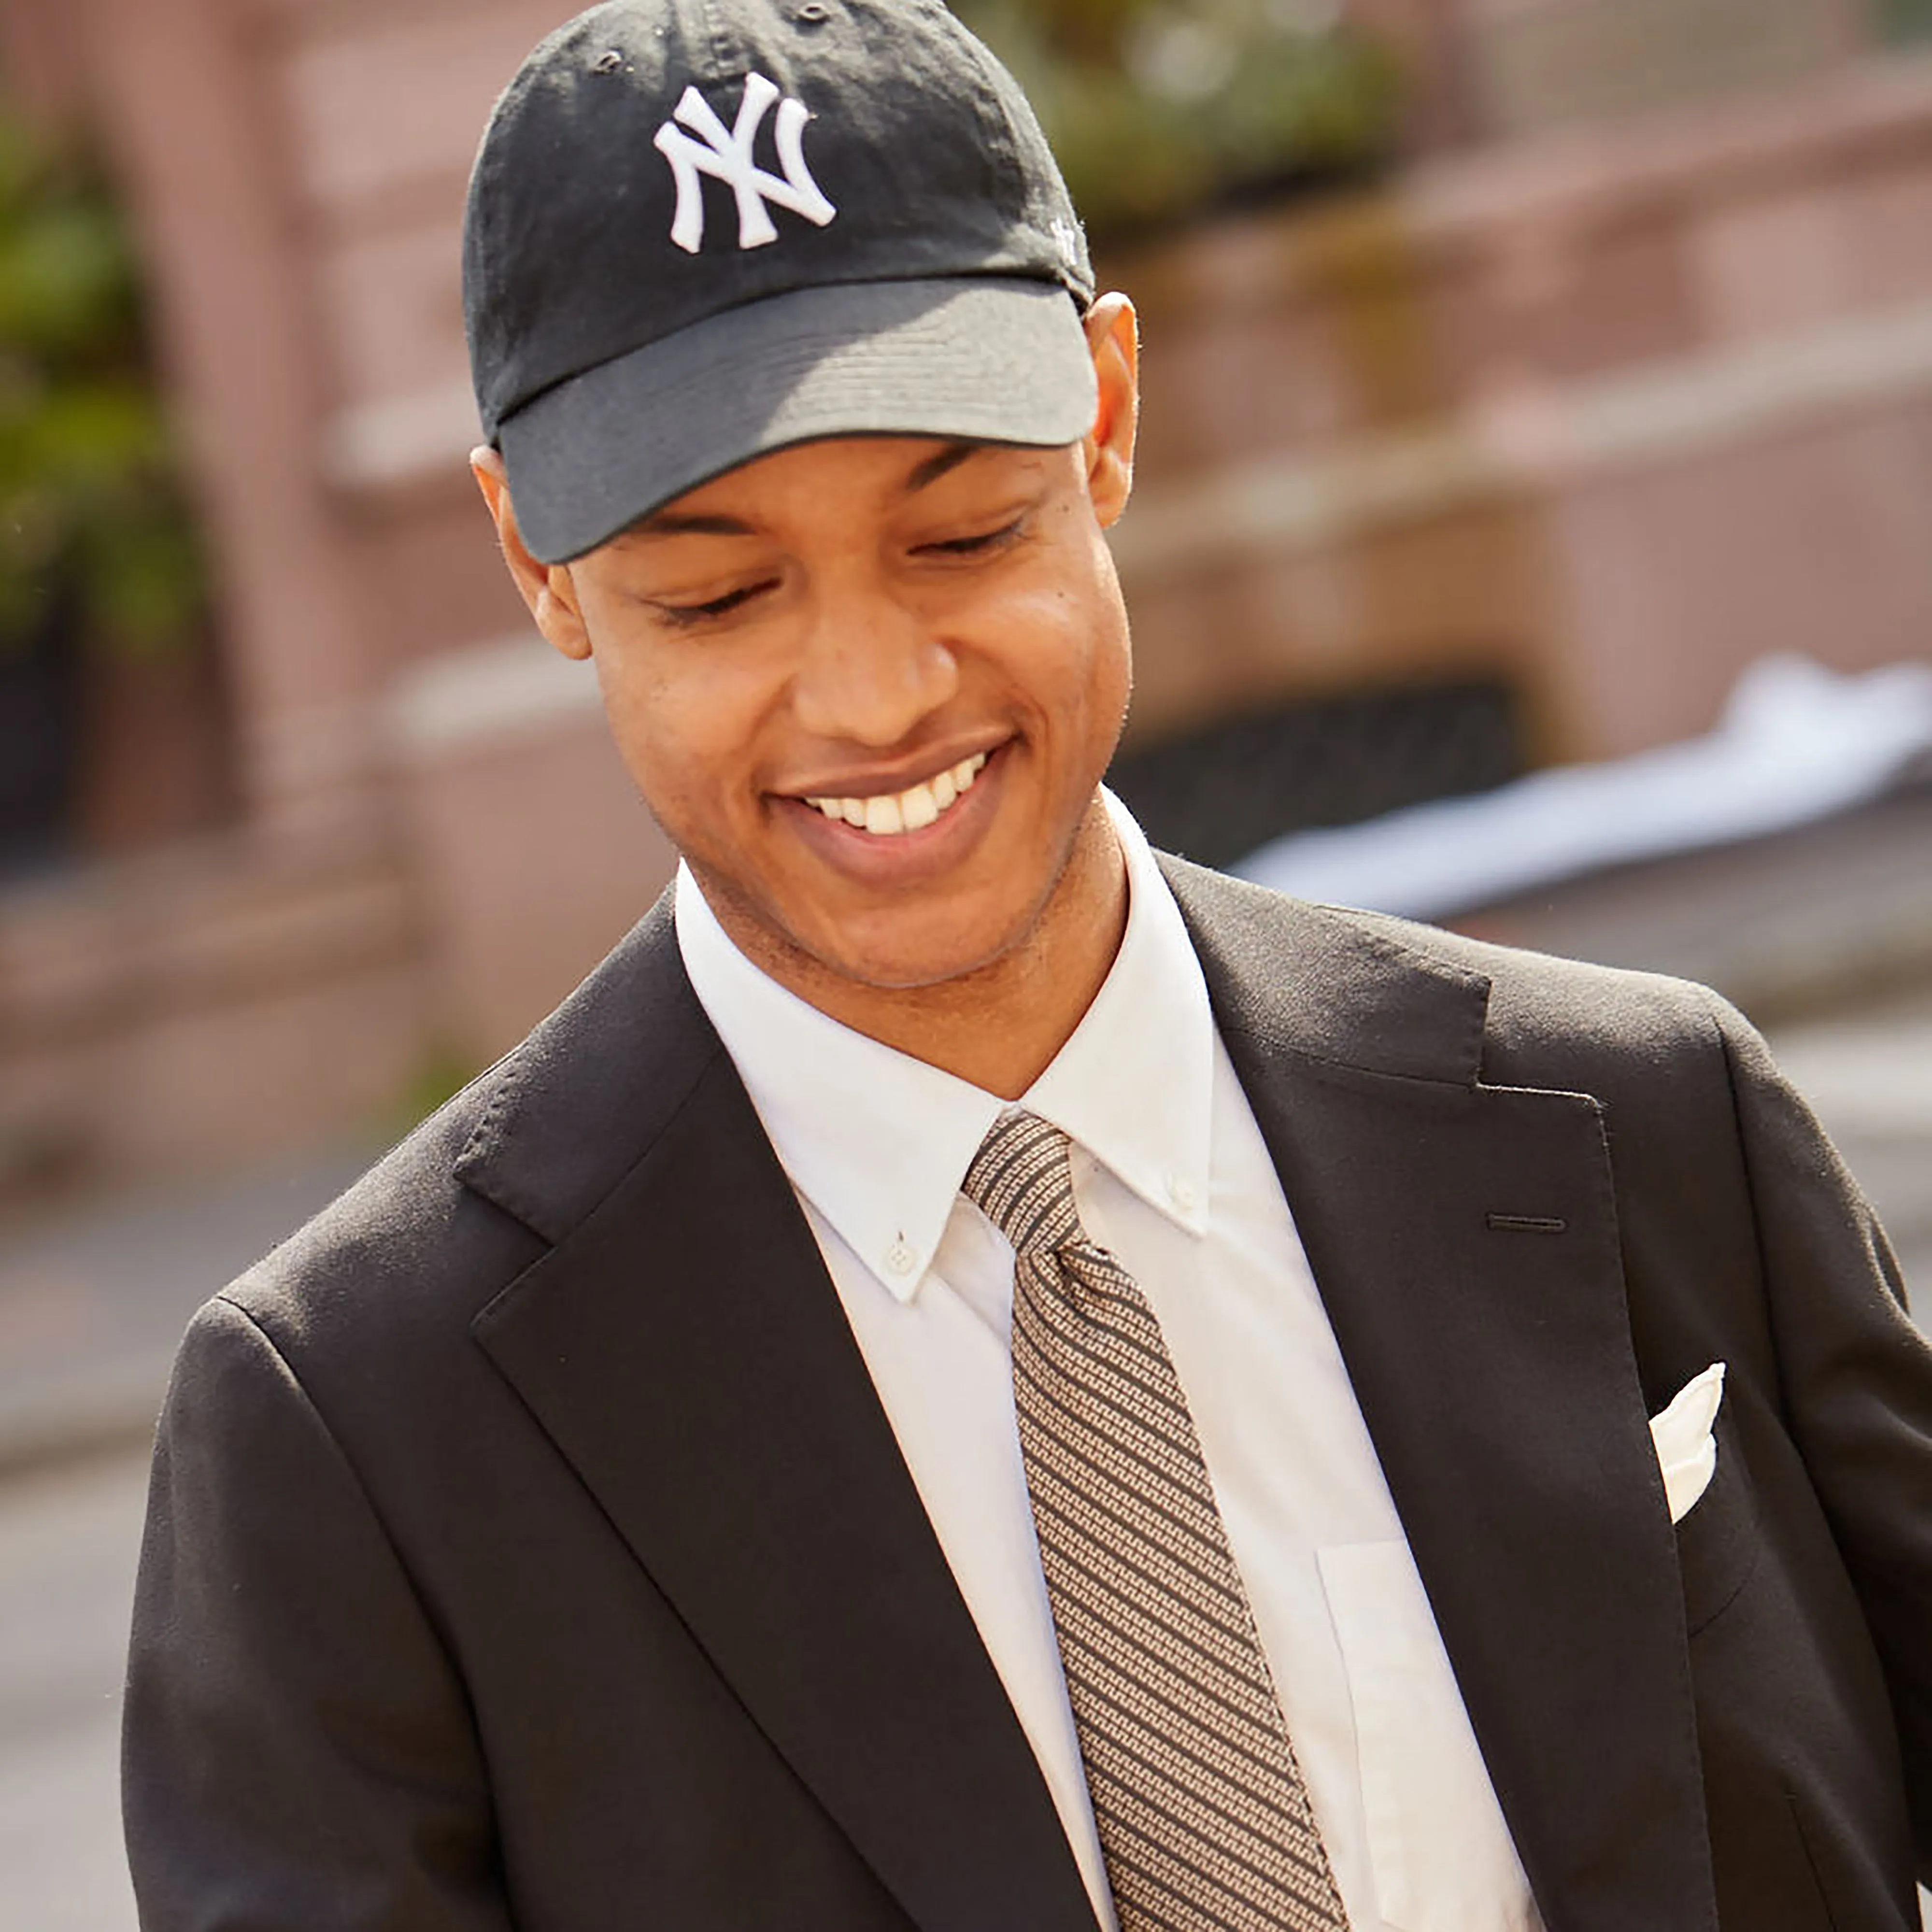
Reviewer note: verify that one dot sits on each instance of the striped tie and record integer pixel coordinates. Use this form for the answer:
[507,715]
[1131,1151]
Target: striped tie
[1203,1817]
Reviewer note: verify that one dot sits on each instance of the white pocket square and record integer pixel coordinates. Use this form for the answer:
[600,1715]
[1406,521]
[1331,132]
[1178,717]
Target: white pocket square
[1687,1451]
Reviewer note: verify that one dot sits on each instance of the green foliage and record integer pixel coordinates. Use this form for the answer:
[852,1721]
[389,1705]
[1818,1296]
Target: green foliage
[1157,108]
[90,498]
[1905,19]
[439,1075]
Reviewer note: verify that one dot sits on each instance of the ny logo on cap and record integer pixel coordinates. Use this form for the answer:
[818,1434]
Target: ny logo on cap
[728,157]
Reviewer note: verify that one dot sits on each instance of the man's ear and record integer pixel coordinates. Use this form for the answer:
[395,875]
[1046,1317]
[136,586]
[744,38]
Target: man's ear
[1113,336]
[546,588]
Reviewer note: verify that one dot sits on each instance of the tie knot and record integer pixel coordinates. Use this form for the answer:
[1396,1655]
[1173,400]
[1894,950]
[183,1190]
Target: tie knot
[1021,1180]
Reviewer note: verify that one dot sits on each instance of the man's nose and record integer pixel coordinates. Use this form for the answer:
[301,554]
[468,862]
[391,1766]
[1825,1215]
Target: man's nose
[872,669]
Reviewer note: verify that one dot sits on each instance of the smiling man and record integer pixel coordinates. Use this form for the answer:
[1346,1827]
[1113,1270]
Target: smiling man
[972,1377]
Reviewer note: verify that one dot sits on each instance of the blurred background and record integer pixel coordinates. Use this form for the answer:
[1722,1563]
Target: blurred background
[1534,533]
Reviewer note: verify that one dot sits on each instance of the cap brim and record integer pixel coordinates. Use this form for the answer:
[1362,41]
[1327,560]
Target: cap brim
[991,359]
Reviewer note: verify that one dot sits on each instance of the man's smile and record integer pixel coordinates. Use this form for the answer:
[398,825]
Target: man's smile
[888,814]
[915,834]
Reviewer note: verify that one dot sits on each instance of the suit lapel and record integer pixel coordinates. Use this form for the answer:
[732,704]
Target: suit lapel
[1489,1349]
[684,1349]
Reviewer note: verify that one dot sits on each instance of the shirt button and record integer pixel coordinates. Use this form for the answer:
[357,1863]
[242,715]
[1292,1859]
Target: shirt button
[900,1258]
[1183,1193]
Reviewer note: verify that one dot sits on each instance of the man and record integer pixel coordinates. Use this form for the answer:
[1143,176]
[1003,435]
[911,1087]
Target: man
[968,1377]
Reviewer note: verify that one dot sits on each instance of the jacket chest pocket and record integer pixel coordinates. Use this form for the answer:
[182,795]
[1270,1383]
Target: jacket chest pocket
[1717,1539]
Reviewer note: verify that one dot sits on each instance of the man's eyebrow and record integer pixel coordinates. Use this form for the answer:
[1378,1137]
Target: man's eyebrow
[671,523]
[941,464]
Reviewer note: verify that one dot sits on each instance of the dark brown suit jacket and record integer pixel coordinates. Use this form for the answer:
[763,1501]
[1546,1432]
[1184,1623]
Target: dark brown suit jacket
[528,1546]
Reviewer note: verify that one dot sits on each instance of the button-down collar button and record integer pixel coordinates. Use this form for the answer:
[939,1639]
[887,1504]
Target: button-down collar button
[900,1258]
[1183,1193]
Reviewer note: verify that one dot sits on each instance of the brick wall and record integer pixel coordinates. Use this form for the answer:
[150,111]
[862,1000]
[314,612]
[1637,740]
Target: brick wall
[1534,65]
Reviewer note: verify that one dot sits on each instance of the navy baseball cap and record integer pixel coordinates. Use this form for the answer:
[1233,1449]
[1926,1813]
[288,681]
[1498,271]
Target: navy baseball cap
[702,230]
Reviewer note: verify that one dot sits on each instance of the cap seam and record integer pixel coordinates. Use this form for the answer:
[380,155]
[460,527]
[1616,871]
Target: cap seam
[989,98]
[994,118]
[714,41]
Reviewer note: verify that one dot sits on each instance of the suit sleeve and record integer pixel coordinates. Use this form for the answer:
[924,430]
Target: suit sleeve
[1859,1377]
[297,1751]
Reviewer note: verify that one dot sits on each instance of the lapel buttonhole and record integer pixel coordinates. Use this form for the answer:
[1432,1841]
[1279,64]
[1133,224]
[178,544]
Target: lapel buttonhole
[1525,1224]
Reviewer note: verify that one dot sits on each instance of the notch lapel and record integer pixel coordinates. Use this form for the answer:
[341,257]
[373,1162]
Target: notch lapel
[1494,1367]
[684,1349]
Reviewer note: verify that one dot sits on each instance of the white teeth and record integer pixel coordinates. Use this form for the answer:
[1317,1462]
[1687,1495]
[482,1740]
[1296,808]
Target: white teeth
[885,815]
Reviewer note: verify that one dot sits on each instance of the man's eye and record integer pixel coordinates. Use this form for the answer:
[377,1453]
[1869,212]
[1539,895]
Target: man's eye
[975,546]
[717,606]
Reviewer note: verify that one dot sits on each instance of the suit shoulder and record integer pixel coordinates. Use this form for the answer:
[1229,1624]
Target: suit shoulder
[407,1246]
[1544,1020]
[1549,1016]
[452,1214]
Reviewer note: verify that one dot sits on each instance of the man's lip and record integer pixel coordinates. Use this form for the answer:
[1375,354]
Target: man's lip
[877,783]
[900,859]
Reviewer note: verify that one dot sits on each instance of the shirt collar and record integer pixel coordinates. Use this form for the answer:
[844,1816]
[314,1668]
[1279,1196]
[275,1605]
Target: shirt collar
[878,1142]
[1134,1084]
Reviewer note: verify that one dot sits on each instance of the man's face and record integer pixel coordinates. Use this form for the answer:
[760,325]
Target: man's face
[869,687]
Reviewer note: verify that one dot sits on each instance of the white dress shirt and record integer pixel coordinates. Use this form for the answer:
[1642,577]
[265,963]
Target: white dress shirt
[1171,1173]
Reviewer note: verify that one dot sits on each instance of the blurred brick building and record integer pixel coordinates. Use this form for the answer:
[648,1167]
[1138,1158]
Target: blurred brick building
[1625,380]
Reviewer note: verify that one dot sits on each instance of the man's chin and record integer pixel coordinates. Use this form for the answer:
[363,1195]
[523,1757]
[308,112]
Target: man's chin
[911,967]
